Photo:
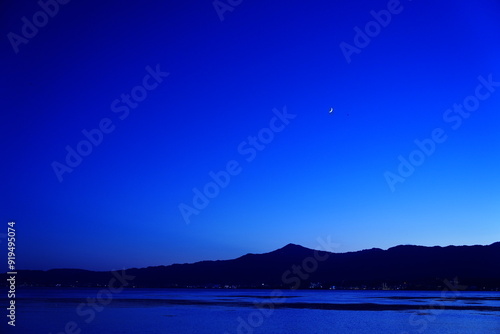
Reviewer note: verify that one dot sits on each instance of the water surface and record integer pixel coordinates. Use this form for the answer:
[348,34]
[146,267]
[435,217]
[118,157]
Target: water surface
[64,310]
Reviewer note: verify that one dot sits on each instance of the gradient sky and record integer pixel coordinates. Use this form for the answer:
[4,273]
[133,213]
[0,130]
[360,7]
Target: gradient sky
[322,175]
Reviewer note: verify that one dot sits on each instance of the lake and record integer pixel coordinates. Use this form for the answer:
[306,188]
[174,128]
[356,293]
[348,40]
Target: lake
[73,311]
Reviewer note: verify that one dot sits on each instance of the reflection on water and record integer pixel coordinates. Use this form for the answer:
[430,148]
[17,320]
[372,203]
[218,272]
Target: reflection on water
[255,311]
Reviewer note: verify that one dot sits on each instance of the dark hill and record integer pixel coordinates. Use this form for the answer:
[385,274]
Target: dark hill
[401,267]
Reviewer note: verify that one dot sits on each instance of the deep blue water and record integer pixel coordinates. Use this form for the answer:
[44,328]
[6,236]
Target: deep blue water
[62,310]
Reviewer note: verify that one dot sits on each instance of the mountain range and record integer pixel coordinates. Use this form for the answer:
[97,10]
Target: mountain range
[296,267]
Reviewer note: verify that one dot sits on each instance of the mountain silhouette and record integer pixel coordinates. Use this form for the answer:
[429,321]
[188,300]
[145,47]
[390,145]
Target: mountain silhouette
[294,266]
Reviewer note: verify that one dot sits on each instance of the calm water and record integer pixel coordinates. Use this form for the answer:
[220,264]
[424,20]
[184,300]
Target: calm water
[254,311]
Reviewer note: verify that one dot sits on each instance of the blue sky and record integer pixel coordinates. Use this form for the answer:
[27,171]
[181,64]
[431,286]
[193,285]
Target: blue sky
[322,174]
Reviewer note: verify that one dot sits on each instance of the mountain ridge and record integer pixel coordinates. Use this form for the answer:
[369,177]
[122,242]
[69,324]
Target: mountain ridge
[295,266]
